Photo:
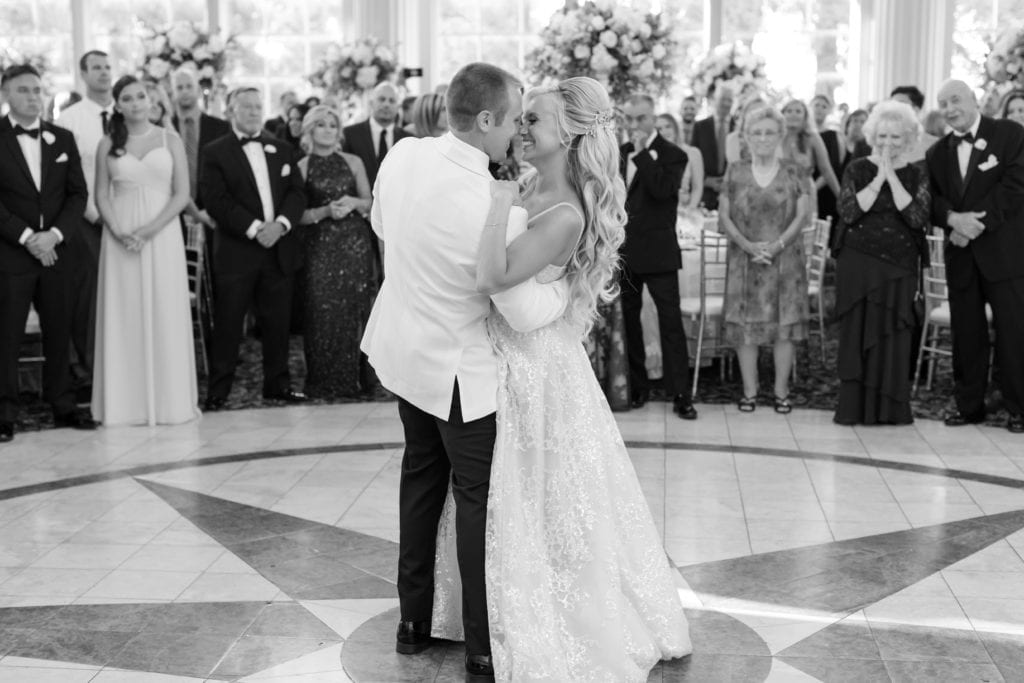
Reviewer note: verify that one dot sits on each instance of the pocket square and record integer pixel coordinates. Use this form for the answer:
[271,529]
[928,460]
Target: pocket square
[61,159]
[991,162]
[286,171]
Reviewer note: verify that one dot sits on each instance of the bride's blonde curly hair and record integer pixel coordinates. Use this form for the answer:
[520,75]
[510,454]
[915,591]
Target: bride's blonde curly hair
[586,124]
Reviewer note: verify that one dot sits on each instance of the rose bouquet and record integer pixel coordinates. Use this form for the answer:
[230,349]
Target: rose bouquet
[354,68]
[625,49]
[184,44]
[730,63]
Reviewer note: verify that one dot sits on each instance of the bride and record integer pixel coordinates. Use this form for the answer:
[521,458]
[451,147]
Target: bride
[578,585]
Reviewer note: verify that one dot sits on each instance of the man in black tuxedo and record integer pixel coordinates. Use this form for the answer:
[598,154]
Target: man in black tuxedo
[278,126]
[977,180]
[653,170]
[42,200]
[371,139]
[254,191]
[709,137]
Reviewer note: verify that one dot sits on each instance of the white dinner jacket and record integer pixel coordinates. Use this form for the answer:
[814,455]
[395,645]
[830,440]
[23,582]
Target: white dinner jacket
[427,329]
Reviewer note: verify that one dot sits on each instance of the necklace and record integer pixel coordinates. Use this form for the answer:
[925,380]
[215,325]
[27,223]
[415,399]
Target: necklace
[764,176]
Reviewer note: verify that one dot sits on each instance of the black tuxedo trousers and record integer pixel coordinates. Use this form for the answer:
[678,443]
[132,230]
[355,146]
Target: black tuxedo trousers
[437,451]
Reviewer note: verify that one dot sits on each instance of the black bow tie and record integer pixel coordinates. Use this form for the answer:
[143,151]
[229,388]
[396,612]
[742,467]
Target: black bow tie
[967,137]
[246,140]
[33,133]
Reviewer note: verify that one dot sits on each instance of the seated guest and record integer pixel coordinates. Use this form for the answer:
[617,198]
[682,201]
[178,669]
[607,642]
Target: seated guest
[1012,107]
[39,213]
[762,209]
[709,137]
[885,205]
[693,177]
[145,357]
[338,246]
[255,251]
[276,126]
[429,119]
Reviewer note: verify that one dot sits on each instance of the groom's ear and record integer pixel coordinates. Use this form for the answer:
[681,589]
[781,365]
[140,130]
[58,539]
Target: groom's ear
[484,121]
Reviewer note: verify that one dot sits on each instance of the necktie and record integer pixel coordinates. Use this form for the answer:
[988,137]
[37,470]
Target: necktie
[105,117]
[722,132]
[247,140]
[33,133]
[382,148]
[191,143]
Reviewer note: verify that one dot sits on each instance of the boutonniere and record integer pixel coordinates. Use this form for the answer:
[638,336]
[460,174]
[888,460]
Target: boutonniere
[48,137]
[980,144]
[270,149]
[653,153]
[286,171]
[990,163]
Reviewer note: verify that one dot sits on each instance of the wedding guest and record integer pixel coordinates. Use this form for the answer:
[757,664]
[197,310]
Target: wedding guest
[912,95]
[145,357]
[735,148]
[763,207]
[62,103]
[691,189]
[429,118]
[371,139]
[935,123]
[406,120]
[310,102]
[42,198]
[292,130]
[338,246]
[197,130]
[885,205]
[688,112]
[653,170]
[853,134]
[275,127]
[821,106]
[1012,107]
[256,253]
[160,105]
[709,137]
[87,121]
[802,144]
[977,182]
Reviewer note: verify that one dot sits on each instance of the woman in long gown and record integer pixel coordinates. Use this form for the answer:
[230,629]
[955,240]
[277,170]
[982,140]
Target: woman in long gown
[885,205]
[338,245]
[578,584]
[145,370]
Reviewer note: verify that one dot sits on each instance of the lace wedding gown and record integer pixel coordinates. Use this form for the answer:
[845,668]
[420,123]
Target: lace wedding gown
[578,584]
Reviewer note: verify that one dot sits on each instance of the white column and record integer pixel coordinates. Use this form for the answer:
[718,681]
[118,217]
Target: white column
[78,40]
[416,33]
[712,23]
[900,42]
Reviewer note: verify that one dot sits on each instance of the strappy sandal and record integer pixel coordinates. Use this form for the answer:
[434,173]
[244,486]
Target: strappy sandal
[783,406]
[747,405]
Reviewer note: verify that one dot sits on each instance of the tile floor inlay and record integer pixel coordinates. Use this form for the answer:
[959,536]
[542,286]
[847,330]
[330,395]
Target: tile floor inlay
[261,545]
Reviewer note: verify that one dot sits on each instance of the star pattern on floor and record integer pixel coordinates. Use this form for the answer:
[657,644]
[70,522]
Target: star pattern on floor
[733,603]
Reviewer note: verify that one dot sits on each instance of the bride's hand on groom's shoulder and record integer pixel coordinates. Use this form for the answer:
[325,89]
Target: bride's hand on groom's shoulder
[507,190]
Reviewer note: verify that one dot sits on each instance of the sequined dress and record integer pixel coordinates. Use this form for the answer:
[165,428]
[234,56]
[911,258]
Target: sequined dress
[578,584]
[340,284]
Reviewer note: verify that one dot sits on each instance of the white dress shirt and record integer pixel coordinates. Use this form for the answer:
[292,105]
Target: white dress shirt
[85,120]
[630,166]
[375,129]
[32,150]
[258,163]
[963,150]
[427,327]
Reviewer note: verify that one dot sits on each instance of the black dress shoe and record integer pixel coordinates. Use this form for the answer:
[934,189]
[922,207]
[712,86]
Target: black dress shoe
[958,419]
[6,432]
[682,407]
[413,637]
[76,419]
[479,668]
[214,403]
[1015,424]
[288,396]
[639,398]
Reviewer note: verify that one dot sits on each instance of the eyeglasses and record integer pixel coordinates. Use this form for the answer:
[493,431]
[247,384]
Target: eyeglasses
[763,134]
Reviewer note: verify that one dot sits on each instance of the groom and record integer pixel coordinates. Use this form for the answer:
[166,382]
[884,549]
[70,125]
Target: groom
[427,341]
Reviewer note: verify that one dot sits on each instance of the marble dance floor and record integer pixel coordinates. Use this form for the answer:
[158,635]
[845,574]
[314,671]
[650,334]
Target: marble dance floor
[260,546]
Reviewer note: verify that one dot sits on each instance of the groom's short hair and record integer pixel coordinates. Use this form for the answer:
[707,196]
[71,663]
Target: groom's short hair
[478,87]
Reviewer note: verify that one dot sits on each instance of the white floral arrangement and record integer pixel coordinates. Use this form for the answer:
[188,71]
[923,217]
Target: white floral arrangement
[184,44]
[625,49]
[355,68]
[1005,62]
[733,64]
